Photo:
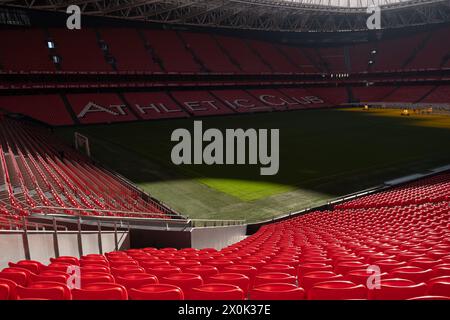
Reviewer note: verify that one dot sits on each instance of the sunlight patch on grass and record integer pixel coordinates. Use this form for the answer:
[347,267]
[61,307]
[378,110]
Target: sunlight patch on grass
[246,190]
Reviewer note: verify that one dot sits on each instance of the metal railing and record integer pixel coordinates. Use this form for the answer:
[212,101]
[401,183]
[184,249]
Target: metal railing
[149,215]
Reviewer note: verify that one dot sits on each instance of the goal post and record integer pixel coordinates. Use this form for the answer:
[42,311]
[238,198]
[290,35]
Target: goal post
[82,143]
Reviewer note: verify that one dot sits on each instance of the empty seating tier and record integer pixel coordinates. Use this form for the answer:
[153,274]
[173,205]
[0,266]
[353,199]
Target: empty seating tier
[382,251]
[40,174]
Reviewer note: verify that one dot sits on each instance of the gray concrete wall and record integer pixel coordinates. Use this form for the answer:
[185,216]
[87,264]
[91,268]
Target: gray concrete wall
[42,244]
[216,237]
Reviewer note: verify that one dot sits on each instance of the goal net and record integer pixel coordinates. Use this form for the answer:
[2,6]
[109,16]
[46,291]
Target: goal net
[82,144]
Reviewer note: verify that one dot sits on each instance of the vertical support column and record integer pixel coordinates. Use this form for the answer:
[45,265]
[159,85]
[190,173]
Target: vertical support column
[26,244]
[55,238]
[80,240]
[100,245]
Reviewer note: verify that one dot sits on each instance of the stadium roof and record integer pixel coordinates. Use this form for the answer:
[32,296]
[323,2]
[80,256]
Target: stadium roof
[267,15]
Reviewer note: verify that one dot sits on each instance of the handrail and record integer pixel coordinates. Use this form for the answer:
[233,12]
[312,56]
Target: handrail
[93,218]
[25,223]
[102,210]
[216,222]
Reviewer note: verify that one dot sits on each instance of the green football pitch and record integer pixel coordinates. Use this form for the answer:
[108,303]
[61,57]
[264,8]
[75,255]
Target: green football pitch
[324,154]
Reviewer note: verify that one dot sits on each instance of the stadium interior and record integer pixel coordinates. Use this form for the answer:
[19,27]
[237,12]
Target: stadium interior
[92,209]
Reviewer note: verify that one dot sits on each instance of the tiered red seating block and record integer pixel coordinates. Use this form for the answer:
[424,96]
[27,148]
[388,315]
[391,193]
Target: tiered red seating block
[240,51]
[208,51]
[18,44]
[200,103]
[35,173]
[241,101]
[79,50]
[376,253]
[100,108]
[371,94]
[169,47]
[154,105]
[408,94]
[128,50]
[48,108]
[432,189]
[274,56]
[297,57]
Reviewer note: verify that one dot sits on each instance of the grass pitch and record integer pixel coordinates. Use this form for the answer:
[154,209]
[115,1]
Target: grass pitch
[323,154]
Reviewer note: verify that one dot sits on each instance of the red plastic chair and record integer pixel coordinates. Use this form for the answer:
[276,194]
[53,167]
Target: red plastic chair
[186,281]
[219,264]
[312,278]
[312,266]
[48,276]
[337,290]
[89,278]
[95,268]
[65,259]
[163,271]
[256,263]
[20,277]
[415,274]
[100,291]
[44,290]
[361,276]
[217,291]
[12,288]
[203,271]
[153,263]
[94,262]
[125,269]
[246,270]
[236,279]
[439,286]
[346,266]
[441,270]
[430,298]
[157,292]
[283,268]
[274,277]
[389,264]
[136,280]
[277,291]
[397,289]
[34,266]
[184,264]
[60,266]
[5,291]
[424,262]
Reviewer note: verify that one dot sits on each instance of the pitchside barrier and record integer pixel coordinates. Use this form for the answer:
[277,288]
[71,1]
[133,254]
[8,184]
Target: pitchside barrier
[431,107]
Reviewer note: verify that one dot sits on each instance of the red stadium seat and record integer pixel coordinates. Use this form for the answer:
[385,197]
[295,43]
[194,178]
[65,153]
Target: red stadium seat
[44,290]
[89,278]
[4,291]
[157,292]
[136,280]
[236,279]
[274,277]
[277,291]
[430,298]
[163,271]
[439,286]
[33,266]
[415,274]
[283,268]
[100,291]
[11,288]
[217,291]
[186,281]
[314,277]
[337,290]
[397,289]
[203,271]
